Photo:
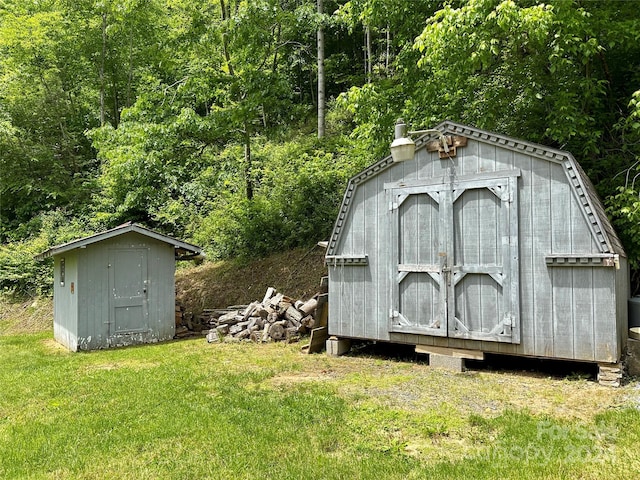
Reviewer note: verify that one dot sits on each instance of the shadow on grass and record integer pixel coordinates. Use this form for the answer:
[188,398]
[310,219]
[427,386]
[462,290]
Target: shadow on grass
[533,367]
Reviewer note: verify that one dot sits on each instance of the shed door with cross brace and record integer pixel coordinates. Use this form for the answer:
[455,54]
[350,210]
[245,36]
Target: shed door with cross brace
[455,257]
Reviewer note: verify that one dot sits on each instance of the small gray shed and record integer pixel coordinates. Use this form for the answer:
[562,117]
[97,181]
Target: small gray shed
[499,245]
[116,288]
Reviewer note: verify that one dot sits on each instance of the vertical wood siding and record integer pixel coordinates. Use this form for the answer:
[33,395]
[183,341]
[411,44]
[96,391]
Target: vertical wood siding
[93,291]
[565,312]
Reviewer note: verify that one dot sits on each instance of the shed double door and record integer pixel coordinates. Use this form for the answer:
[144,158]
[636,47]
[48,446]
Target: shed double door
[128,283]
[455,257]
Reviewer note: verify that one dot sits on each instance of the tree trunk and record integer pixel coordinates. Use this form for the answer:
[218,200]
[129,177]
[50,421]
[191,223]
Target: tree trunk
[368,66]
[321,81]
[386,58]
[225,40]
[247,163]
[102,62]
[116,100]
[130,72]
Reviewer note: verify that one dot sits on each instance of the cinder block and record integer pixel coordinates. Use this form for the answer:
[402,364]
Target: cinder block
[338,346]
[448,362]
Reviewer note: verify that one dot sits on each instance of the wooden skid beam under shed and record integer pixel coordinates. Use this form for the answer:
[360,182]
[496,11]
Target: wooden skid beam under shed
[451,352]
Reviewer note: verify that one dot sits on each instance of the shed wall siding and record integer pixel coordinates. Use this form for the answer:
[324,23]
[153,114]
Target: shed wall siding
[565,312]
[94,312]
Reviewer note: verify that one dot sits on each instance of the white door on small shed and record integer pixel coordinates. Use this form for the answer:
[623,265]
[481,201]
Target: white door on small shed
[455,254]
[128,284]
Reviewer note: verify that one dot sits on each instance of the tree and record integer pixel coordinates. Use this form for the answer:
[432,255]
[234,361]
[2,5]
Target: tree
[66,66]
[46,162]
[321,77]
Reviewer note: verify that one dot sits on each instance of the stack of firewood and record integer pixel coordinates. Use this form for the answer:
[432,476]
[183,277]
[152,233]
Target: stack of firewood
[276,318]
[187,324]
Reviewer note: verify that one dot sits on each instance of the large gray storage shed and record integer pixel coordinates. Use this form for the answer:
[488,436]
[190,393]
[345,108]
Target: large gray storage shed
[500,245]
[116,288]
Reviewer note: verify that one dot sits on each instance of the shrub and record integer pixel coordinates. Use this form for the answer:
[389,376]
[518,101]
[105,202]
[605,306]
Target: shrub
[21,275]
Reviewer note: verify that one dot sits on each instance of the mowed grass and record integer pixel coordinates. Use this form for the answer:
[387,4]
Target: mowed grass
[188,409]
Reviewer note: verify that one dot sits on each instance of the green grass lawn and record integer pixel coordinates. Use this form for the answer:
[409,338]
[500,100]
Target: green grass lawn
[188,409]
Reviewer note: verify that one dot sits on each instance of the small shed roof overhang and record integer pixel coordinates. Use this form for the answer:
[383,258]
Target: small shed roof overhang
[183,250]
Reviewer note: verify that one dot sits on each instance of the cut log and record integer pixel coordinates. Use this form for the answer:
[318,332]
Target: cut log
[293,315]
[283,306]
[261,311]
[243,334]
[235,329]
[274,301]
[265,332]
[256,336]
[277,331]
[292,335]
[308,322]
[213,337]
[273,317]
[268,295]
[309,306]
[223,329]
[252,323]
[230,318]
[249,311]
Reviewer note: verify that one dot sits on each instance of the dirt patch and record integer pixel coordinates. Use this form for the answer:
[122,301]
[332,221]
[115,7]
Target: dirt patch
[54,347]
[414,386]
[29,316]
[287,380]
[295,273]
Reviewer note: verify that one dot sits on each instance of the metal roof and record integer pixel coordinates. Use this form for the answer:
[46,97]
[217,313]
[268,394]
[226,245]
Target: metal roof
[181,248]
[590,202]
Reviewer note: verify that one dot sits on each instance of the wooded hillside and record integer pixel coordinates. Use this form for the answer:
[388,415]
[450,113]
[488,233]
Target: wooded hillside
[199,118]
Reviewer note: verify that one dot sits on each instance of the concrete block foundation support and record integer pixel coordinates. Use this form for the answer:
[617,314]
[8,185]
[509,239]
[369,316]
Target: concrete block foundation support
[338,346]
[448,362]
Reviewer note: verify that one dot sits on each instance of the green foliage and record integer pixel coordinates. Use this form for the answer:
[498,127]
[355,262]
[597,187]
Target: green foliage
[299,186]
[194,118]
[21,275]
[63,67]
[528,71]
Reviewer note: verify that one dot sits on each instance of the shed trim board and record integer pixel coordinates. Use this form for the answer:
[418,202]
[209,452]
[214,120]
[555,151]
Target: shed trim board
[119,230]
[504,247]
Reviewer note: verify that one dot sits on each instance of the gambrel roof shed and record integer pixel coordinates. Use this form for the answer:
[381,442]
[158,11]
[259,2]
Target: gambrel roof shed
[116,288]
[500,245]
